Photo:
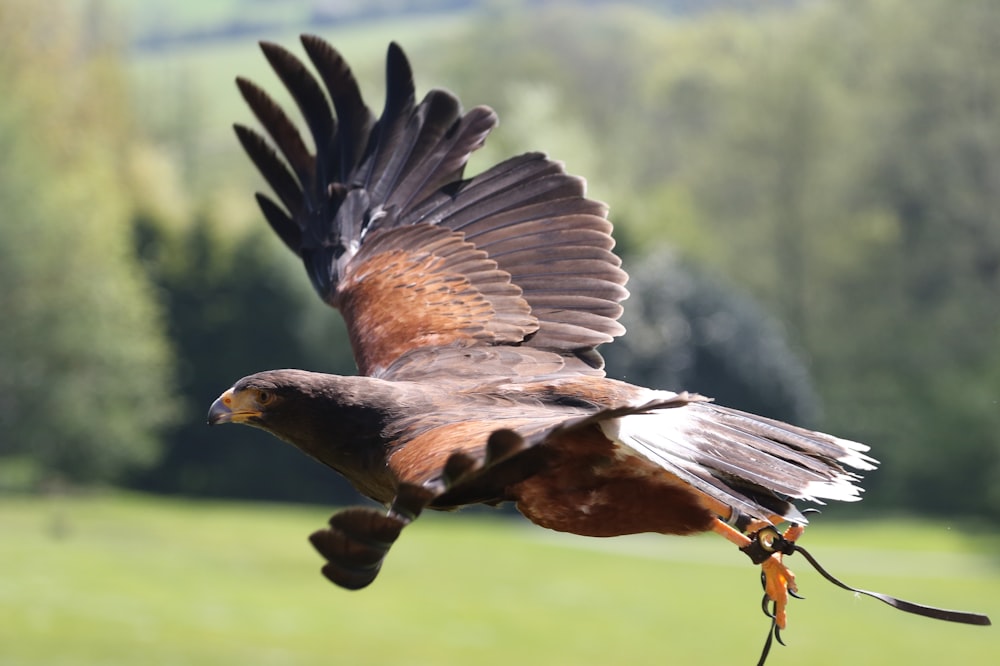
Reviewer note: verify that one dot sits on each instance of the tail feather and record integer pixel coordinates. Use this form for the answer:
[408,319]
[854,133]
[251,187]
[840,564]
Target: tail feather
[754,464]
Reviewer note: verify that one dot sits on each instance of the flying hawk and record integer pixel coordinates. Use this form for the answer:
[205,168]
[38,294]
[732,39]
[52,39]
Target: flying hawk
[475,307]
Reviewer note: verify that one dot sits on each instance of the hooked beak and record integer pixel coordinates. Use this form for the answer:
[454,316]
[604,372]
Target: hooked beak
[235,407]
[221,410]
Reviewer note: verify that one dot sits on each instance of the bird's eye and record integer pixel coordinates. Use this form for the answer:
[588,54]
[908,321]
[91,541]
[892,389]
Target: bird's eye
[263,397]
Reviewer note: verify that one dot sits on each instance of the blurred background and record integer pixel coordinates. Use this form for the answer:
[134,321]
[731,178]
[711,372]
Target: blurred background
[806,194]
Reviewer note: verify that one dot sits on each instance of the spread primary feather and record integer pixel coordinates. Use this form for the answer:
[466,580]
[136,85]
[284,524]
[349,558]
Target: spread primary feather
[475,306]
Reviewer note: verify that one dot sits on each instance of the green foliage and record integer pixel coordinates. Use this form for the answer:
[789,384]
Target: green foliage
[689,331]
[837,161]
[85,378]
[859,174]
[237,302]
[128,580]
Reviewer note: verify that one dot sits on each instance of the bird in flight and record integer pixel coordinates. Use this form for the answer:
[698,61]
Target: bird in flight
[475,307]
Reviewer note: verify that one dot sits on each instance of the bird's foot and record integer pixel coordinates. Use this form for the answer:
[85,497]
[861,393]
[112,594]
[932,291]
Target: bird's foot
[357,539]
[777,579]
[779,582]
[766,547]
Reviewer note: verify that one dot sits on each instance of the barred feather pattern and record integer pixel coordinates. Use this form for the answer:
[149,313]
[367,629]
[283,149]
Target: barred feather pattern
[368,177]
[754,464]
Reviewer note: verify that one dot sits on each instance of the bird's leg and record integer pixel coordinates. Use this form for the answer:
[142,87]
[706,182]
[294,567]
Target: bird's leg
[778,580]
[765,546]
[357,539]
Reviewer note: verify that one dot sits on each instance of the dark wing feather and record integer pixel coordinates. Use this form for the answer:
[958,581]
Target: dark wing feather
[440,158]
[311,100]
[282,131]
[522,257]
[418,149]
[390,142]
[283,225]
[355,120]
[272,168]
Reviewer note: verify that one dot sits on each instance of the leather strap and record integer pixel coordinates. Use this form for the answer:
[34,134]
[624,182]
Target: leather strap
[768,541]
[963,617]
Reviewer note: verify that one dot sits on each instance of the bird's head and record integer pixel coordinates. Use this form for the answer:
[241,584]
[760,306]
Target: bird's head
[256,400]
[345,422]
[314,411]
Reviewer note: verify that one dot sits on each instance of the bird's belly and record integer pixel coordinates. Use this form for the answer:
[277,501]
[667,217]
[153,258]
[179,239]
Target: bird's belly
[589,488]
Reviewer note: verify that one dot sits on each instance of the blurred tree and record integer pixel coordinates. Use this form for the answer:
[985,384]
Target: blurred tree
[237,303]
[85,381]
[931,297]
[599,74]
[688,331]
[837,160]
[852,183]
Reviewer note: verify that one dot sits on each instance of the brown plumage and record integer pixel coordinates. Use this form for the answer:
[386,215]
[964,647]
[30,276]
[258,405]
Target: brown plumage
[475,307]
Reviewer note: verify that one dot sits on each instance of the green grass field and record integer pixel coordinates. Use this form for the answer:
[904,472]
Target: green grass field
[127,580]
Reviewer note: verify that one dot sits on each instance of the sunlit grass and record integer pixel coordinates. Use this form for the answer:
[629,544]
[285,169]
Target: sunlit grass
[125,580]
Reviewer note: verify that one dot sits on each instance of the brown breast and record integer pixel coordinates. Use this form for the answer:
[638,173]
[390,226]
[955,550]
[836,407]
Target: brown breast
[593,487]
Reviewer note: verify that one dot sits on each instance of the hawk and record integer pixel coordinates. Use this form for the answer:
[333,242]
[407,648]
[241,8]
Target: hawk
[475,307]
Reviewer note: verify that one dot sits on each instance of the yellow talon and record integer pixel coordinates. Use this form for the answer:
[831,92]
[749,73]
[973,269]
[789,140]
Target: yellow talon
[778,580]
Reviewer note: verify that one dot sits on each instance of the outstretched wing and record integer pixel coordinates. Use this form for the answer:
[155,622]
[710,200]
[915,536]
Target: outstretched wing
[415,257]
